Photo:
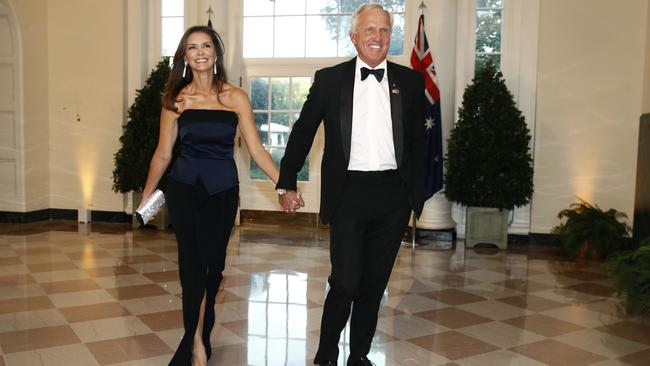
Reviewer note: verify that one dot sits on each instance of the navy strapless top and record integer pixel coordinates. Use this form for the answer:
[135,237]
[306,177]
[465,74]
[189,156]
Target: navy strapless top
[207,149]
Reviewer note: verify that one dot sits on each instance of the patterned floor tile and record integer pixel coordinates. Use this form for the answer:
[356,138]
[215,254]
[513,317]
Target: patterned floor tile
[453,345]
[532,302]
[29,339]
[73,354]
[556,353]
[128,349]
[83,313]
[109,328]
[452,318]
[500,334]
[104,294]
[629,330]
[641,358]
[544,325]
[453,296]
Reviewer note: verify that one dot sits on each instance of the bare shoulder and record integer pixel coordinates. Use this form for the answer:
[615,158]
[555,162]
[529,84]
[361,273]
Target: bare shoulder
[233,93]
[234,97]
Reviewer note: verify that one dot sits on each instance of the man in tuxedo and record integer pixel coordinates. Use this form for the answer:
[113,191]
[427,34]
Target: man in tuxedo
[371,176]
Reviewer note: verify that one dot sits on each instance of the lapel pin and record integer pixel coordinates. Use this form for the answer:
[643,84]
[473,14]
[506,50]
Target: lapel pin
[395,90]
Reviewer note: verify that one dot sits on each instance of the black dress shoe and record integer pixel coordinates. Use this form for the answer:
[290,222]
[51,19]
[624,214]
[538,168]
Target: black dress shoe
[362,361]
[327,363]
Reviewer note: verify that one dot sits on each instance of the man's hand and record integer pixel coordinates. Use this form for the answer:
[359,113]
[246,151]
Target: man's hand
[291,201]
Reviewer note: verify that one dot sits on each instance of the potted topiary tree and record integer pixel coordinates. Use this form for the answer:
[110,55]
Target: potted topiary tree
[488,162]
[139,140]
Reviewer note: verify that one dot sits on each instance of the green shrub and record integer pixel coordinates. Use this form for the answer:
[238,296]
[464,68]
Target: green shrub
[588,228]
[488,161]
[632,278]
[140,135]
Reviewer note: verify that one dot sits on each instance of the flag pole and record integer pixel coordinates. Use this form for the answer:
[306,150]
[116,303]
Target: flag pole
[210,12]
[413,244]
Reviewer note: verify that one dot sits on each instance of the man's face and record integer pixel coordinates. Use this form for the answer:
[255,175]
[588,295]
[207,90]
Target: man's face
[371,37]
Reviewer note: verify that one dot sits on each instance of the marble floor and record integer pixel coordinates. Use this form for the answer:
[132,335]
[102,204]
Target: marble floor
[102,294]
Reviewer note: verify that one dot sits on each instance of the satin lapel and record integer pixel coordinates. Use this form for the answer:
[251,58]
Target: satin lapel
[396,113]
[347,98]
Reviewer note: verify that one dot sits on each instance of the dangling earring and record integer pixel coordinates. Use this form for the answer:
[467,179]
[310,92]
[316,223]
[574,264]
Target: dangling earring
[215,67]
[185,70]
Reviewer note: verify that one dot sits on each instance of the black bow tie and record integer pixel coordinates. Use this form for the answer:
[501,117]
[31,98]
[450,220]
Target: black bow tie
[379,73]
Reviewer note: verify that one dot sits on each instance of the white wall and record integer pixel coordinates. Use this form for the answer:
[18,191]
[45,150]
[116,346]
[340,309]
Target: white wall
[590,84]
[86,104]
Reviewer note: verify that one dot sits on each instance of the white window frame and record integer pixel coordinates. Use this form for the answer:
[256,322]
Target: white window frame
[263,197]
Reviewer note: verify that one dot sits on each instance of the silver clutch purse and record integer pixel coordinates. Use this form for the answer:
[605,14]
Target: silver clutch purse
[149,208]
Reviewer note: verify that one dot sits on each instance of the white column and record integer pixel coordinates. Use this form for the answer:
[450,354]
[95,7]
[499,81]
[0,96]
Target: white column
[436,214]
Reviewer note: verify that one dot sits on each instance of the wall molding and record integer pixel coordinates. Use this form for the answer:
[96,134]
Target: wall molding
[62,214]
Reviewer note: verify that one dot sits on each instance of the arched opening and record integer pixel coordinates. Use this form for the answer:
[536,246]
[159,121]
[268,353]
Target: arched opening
[12,190]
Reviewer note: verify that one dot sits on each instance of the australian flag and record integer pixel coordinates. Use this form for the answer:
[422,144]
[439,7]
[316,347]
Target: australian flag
[422,61]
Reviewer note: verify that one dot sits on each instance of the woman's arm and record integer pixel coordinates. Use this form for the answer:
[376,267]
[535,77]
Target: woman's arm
[163,154]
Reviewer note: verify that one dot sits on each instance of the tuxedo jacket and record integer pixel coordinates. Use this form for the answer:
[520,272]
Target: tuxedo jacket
[330,100]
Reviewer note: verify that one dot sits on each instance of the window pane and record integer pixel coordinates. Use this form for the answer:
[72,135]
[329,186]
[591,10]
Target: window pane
[346,48]
[348,6]
[258,7]
[481,60]
[279,93]
[289,36]
[262,123]
[274,125]
[394,6]
[260,93]
[488,31]
[492,4]
[172,8]
[258,37]
[171,33]
[322,6]
[303,174]
[289,7]
[397,36]
[279,129]
[277,153]
[300,88]
[321,36]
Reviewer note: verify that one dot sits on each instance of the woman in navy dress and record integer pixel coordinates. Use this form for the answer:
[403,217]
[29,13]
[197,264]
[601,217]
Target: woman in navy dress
[203,110]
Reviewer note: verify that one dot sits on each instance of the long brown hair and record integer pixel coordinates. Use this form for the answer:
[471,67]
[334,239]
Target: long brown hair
[176,82]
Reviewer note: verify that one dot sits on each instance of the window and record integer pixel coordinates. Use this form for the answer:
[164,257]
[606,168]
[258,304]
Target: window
[309,28]
[277,102]
[489,14]
[172,26]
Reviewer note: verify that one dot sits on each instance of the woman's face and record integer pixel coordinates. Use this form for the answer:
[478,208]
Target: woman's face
[200,53]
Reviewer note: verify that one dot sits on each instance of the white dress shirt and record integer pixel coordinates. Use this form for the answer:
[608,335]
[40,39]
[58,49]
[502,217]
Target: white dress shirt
[372,146]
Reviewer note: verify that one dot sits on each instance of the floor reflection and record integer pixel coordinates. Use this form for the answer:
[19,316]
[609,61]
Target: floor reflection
[105,295]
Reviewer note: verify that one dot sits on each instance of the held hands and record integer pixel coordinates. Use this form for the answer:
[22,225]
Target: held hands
[291,201]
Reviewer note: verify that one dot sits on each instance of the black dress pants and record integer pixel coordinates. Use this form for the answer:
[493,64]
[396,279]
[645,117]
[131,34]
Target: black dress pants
[202,223]
[365,235]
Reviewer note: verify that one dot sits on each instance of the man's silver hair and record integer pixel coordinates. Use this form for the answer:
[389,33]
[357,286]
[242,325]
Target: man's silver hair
[361,9]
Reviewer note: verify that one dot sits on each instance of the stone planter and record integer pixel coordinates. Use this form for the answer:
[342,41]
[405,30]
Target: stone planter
[486,225]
